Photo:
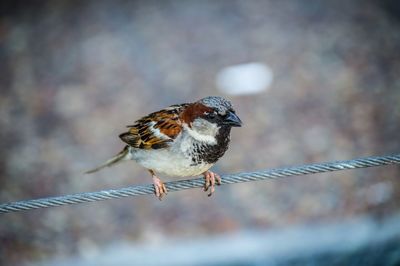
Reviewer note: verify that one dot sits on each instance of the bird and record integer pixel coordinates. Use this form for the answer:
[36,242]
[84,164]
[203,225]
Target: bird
[181,140]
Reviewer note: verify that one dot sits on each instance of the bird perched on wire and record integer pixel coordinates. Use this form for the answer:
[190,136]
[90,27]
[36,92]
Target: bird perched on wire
[180,140]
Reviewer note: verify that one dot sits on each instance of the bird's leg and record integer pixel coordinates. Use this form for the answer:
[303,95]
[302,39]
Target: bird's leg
[159,188]
[211,179]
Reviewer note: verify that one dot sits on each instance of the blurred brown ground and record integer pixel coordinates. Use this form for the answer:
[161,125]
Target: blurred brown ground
[73,74]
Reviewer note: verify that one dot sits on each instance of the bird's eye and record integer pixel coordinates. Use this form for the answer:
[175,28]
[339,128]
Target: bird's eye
[211,115]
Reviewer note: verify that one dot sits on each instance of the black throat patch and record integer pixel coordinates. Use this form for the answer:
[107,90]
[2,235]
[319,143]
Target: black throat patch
[206,153]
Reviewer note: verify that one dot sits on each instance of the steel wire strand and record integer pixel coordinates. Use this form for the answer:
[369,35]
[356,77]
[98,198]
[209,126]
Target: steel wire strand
[199,182]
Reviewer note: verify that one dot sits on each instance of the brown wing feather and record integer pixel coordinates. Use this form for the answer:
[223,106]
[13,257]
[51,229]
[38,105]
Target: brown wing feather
[156,130]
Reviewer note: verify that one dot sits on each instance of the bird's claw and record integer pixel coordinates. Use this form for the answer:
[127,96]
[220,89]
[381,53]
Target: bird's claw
[159,187]
[211,179]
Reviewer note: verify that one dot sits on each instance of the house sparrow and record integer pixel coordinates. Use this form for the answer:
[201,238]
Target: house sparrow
[180,140]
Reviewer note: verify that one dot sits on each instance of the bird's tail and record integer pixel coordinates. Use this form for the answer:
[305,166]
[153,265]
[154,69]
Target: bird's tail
[121,156]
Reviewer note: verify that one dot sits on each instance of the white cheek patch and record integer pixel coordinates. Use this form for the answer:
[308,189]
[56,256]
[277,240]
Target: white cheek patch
[209,139]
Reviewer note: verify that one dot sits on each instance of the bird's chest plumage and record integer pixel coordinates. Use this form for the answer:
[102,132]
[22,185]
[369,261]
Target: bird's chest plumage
[186,156]
[201,152]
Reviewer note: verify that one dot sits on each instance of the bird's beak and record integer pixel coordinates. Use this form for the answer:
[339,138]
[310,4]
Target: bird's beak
[232,120]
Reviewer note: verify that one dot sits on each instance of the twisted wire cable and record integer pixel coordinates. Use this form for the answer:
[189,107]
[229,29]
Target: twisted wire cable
[199,182]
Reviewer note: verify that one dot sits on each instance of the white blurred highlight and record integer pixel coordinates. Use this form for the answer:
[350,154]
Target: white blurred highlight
[250,78]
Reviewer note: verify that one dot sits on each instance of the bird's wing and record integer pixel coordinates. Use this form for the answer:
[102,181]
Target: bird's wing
[156,130]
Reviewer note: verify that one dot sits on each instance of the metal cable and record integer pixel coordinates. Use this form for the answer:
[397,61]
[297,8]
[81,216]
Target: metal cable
[199,182]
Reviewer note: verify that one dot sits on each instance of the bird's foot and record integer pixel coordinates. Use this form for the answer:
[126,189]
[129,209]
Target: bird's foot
[211,179]
[159,188]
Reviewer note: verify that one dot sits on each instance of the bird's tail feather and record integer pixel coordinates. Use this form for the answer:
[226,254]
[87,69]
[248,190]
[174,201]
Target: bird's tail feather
[122,155]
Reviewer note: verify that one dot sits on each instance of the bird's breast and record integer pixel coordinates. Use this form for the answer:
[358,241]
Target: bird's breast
[169,161]
[185,156]
[202,152]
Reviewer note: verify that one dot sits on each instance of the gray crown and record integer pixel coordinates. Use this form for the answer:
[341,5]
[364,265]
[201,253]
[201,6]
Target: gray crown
[220,104]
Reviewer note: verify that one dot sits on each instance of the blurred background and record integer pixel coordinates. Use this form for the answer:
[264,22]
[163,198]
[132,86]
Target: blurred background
[311,80]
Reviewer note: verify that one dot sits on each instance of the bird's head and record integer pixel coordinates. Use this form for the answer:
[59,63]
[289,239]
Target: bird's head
[208,115]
